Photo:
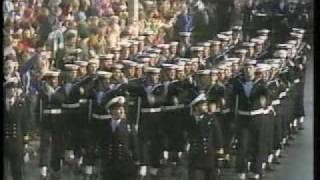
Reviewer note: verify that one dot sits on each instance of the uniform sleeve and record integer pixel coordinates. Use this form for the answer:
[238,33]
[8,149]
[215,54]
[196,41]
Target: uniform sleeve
[217,134]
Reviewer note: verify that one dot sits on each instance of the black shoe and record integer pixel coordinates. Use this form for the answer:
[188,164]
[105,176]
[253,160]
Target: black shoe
[276,161]
[270,167]
[254,176]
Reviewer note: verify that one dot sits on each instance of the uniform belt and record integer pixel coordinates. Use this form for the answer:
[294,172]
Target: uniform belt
[131,103]
[275,102]
[267,111]
[251,113]
[52,111]
[226,110]
[71,106]
[179,106]
[82,101]
[296,81]
[101,117]
[148,110]
[283,94]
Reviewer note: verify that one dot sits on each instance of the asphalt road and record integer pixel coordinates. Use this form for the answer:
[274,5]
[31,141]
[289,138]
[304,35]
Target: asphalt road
[297,166]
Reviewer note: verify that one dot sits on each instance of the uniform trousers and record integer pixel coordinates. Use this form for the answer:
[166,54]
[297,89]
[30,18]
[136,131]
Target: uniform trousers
[252,146]
[228,129]
[117,170]
[278,134]
[71,118]
[13,158]
[151,139]
[270,123]
[96,131]
[174,131]
[202,174]
[51,128]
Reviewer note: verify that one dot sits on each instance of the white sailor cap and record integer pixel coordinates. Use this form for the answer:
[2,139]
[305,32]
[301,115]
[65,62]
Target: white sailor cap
[214,42]
[169,66]
[221,67]
[149,3]
[236,28]
[284,46]
[148,33]
[125,44]
[203,72]
[204,44]
[196,48]
[71,67]
[263,37]
[144,59]
[298,30]
[190,62]
[152,70]
[256,41]
[222,37]
[263,67]
[119,100]
[104,74]
[241,51]
[214,71]
[106,56]
[93,61]
[183,59]
[261,14]
[263,31]
[233,59]
[227,64]
[115,49]
[181,63]
[273,60]
[140,38]
[280,54]
[250,62]
[81,63]
[134,43]
[194,60]
[77,51]
[186,34]
[163,46]
[51,73]
[296,35]
[227,33]
[293,42]
[180,68]
[153,55]
[198,100]
[248,44]
[139,66]
[154,51]
[174,43]
[117,66]
[129,63]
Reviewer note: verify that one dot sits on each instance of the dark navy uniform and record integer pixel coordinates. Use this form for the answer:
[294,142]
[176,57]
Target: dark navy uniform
[205,139]
[13,138]
[98,119]
[70,93]
[52,126]
[150,132]
[251,125]
[115,151]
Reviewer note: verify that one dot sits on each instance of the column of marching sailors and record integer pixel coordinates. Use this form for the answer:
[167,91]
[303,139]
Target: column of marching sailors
[210,104]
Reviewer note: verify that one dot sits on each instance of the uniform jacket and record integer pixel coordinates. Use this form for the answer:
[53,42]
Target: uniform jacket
[205,139]
[253,101]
